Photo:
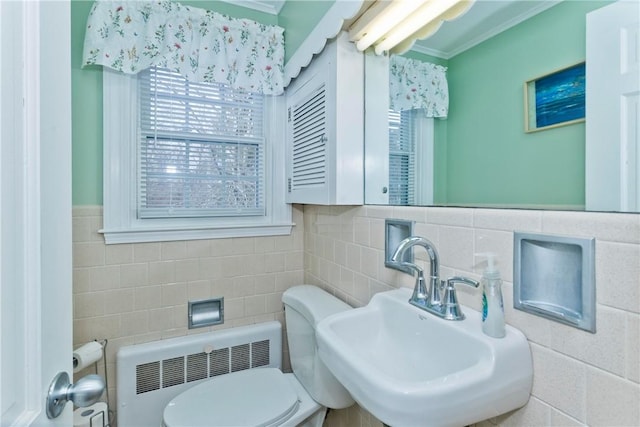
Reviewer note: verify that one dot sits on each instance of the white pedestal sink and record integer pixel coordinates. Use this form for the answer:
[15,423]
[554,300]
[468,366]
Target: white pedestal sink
[410,368]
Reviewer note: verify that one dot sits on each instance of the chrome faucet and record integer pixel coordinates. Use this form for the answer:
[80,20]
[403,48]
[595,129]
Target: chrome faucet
[427,297]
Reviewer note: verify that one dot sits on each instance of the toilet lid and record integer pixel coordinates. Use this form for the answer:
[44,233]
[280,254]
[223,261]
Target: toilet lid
[254,397]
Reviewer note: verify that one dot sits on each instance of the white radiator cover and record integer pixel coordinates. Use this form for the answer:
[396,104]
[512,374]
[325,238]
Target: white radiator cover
[150,375]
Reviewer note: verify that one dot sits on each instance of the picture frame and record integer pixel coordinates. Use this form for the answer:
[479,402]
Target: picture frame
[555,99]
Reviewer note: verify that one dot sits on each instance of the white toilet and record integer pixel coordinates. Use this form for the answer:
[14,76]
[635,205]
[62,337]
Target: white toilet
[266,396]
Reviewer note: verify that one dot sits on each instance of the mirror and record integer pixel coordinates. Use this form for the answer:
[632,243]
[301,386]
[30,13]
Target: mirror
[481,155]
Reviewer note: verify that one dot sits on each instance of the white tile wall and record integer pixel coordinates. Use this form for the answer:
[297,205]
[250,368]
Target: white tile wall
[133,293]
[579,378]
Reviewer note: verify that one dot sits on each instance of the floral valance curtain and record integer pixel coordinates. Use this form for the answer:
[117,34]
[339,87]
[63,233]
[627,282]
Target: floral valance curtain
[204,46]
[418,85]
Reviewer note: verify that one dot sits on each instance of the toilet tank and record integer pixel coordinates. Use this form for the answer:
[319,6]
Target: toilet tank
[305,306]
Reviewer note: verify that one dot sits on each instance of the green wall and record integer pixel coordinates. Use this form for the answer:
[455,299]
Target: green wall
[490,159]
[299,18]
[482,154]
[86,115]
[86,98]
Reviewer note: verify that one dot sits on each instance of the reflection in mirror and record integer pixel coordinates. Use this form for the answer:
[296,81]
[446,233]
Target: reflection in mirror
[410,158]
[480,154]
[400,128]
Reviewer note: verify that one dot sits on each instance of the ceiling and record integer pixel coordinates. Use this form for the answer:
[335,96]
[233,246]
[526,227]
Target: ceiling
[483,20]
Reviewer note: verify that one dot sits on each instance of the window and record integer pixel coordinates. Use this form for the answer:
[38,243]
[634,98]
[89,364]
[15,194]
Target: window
[401,158]
[411,143]
[187,160]
[201,148]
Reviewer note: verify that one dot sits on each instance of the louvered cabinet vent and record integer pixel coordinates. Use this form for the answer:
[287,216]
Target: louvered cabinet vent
[325,128]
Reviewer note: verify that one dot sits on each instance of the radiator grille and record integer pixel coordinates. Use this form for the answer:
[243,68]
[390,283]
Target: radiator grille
[219,362]
[147,377]
[196,367]
[193,367]
[240,357]
[172,372]
[260,353]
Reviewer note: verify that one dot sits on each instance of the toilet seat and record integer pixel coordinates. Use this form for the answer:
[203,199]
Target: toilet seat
[254,397]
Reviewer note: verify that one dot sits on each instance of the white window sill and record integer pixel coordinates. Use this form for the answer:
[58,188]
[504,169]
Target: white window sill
[112,236]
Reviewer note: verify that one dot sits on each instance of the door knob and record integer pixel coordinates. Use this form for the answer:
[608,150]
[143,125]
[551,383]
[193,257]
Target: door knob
[83,393]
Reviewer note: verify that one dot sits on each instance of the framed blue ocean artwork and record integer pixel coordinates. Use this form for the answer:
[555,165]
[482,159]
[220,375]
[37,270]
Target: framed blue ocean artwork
[555,99]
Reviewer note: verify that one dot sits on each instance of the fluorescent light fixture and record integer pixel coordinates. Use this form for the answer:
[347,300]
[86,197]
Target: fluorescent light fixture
[389,23]
[423,16]
[384,21]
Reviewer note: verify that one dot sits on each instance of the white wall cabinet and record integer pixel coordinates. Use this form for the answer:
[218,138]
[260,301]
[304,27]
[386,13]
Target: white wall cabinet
[325,128]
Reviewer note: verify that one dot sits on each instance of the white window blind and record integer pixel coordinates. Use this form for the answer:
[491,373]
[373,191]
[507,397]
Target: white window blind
[401,157]
[201,151]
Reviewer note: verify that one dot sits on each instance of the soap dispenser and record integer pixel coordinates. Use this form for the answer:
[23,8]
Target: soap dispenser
[492,306]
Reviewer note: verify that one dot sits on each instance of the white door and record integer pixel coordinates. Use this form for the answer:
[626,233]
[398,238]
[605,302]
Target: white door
[612,108]
[35,208]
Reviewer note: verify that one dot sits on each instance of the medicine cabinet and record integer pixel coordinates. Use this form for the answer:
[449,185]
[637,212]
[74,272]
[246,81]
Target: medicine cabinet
[325,128]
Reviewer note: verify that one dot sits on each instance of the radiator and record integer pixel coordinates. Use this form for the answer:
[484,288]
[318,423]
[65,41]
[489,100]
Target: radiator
[150,375]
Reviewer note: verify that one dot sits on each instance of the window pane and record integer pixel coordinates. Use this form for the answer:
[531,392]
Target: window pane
[201,149]
[200,176]
[401,157]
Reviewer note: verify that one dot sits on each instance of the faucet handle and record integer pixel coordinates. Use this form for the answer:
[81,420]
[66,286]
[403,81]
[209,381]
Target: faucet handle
[420,290]
[451,307]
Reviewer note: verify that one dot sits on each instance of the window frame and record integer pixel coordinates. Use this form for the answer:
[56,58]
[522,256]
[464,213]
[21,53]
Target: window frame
[422,130]
[120,177]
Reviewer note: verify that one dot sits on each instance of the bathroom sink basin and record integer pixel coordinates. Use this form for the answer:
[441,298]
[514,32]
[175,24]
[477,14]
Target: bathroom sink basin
[410,368]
